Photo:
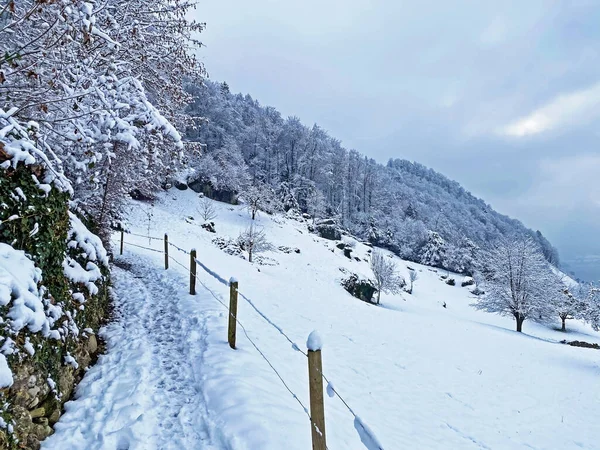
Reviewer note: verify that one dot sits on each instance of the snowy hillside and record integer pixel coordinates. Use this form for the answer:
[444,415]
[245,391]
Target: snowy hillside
[419,374]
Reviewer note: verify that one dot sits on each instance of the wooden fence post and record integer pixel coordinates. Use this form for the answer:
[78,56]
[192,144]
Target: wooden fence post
[193,272]
[233,301]
[315,380]
[121,242]
[166,251]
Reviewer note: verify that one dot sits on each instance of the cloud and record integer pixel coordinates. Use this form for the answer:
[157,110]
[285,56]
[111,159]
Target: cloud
[567,185]
[564,110]
[495,33]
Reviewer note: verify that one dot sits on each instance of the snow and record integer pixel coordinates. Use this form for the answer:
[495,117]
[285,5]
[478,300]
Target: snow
[420,375]
[71,361]
[21,149]
[6,379]
[29,347]
[90,247]
[330,389]
[314,341]
[19,292]
[366,435]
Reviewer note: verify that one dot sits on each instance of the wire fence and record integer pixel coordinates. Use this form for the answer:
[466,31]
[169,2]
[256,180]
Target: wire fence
[330,387]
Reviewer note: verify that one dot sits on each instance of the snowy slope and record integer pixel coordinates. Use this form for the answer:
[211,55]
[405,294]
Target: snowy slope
[418,374]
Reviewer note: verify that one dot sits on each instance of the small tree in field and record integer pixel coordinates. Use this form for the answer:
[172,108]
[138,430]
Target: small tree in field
[569,306]
[253,240]
[207,209]
[518,282]
[384,271]
[412,277]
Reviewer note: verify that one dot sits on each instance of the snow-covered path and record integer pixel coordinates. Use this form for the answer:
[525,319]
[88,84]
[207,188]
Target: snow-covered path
[145,393]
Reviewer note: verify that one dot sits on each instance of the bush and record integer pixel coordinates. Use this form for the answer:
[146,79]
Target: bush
[467,281]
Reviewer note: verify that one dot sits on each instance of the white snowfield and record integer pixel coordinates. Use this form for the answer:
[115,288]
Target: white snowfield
[419,375]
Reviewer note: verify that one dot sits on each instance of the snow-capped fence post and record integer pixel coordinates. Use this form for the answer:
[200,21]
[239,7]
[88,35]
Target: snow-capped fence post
[233,301]
[193,272]
[315,382]
[121,243]
[166,251]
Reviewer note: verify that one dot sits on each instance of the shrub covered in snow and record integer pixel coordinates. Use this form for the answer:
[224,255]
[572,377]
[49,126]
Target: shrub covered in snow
[450,281]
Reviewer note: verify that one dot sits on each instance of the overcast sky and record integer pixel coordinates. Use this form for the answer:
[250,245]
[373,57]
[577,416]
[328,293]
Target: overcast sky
[503,97]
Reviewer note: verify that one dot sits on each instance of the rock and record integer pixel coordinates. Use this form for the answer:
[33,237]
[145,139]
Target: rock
[330,232]
[34,391]
[181,186]
[32,381]
[39,412]
[30,433]
[348,252]
[33,403]
[41,421]
[66,381]
[136,194]
[357,259]
[54,417]
[206,188]
[450,282]
[360,288]
[92,344]
[340,245]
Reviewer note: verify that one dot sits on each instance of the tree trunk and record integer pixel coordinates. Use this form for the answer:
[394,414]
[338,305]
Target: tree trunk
[564,328]
[520,320]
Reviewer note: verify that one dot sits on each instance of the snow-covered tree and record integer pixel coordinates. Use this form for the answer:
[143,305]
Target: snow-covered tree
[434,251]
[590,296]
[412,277]
[384,271]
[518,282]
[253,240]
[104,85]
[207,209]
[259,198]
[569,305]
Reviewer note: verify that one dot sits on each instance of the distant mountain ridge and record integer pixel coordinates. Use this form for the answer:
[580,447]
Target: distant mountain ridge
[413,210]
